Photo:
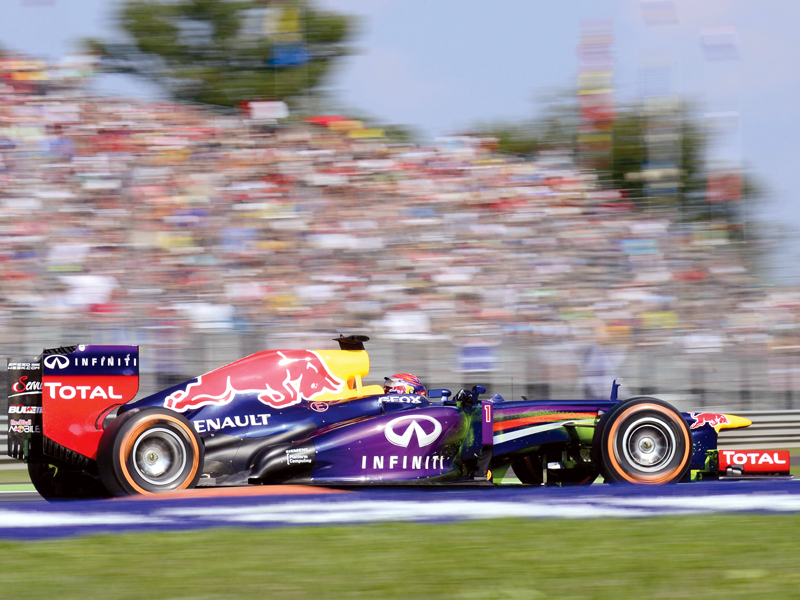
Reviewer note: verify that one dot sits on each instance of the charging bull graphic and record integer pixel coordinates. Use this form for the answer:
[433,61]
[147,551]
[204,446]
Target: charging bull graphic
[712,419]
[280,379]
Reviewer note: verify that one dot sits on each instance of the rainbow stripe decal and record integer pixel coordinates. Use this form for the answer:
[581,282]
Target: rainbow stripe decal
[547,417]
[523,422]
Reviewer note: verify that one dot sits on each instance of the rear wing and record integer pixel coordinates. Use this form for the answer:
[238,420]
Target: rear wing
[71,389]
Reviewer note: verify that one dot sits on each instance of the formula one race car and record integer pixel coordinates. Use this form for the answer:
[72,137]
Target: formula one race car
[303,416]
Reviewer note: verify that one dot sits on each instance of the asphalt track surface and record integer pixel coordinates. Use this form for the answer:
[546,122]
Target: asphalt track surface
[281,506]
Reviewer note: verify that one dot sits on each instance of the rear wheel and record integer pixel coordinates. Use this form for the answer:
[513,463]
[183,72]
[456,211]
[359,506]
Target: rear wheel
[643,440]
[149,451]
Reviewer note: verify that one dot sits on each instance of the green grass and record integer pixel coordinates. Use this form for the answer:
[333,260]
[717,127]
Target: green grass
[732,556]
[17,487]
[14,476]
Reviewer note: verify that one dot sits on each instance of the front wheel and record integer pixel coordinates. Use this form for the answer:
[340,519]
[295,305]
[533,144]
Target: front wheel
[642,440]
[149,451]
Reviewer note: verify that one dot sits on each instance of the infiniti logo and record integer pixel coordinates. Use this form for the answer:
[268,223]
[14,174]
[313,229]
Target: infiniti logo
[423,439]
[56,360]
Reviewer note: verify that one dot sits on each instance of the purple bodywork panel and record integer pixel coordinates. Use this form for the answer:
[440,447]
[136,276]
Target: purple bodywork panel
[419,444]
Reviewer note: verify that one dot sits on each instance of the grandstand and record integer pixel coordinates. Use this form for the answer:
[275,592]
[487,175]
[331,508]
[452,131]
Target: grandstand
[204,236]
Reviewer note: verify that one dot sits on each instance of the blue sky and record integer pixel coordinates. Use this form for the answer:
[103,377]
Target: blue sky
[443,65]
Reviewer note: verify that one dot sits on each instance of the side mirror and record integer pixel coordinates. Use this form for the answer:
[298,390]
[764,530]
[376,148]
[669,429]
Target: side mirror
[614,388]
[446,400]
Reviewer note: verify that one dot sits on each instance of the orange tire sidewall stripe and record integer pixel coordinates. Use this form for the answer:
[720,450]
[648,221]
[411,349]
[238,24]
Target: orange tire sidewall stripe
[126,447]
[657,479]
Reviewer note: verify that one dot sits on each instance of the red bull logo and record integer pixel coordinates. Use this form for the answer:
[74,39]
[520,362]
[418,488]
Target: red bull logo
[280,379]
[712,419]
[23,426]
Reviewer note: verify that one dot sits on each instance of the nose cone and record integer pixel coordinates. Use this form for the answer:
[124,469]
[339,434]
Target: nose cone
[734,422]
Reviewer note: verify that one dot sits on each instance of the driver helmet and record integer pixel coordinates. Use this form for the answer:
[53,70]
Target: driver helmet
[403,383]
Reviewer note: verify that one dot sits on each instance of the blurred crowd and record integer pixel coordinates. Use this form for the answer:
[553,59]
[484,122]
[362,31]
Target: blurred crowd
[126,212]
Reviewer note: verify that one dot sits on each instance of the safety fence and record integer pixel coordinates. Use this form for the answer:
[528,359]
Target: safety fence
[5,460]
[770,429]
[716,375]
[709,374]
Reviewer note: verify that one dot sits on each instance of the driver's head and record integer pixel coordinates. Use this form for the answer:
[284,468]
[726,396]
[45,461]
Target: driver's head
[403,383]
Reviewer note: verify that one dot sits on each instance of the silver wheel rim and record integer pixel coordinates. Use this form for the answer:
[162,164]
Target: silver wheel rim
[649,444]
[159,456]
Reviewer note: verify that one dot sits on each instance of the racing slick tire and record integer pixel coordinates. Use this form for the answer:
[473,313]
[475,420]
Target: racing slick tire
[642,440]
[56,481]
[149,451]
